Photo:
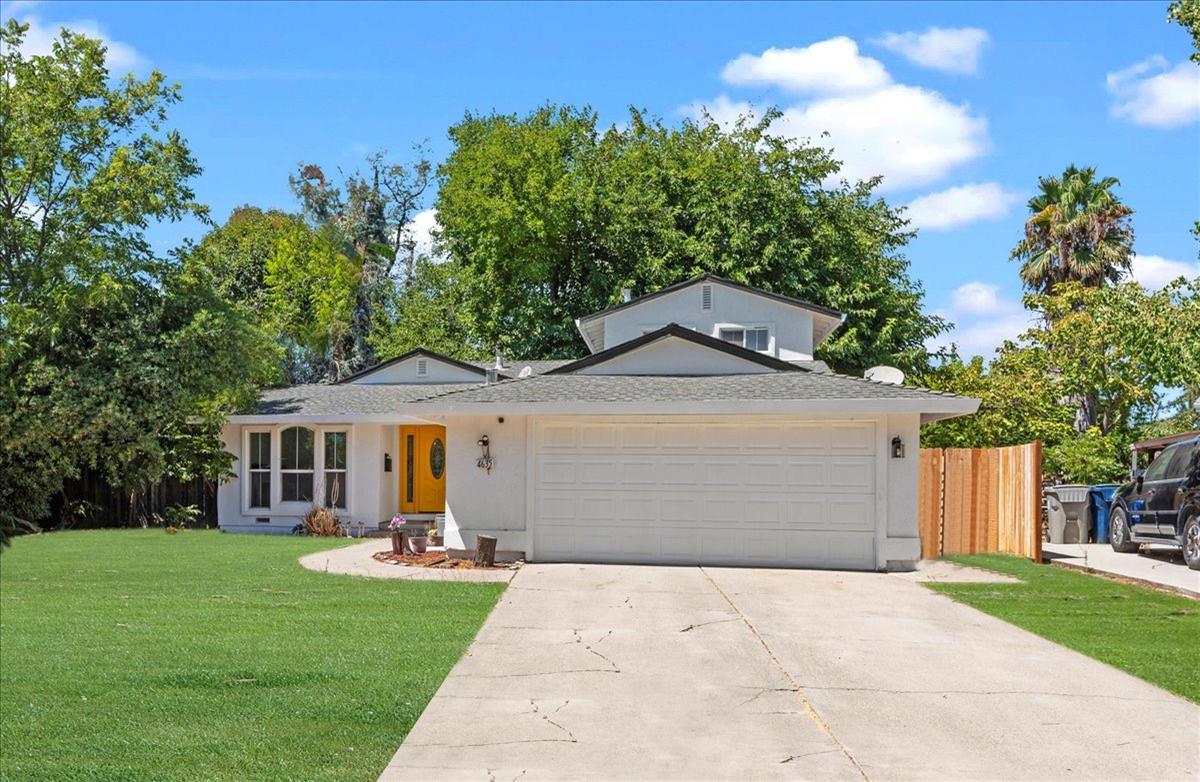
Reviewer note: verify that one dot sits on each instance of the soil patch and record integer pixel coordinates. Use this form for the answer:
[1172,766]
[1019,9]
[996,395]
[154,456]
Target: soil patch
[437,560]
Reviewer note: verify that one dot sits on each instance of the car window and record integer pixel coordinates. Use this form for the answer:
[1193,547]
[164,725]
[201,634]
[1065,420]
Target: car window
[1185,455]
[1158,468]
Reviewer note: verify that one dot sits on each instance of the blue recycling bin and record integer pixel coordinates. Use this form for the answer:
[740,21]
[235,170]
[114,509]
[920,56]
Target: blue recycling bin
[1101,498]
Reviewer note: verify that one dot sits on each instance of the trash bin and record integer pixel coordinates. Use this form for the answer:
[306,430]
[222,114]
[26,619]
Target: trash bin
[1068,513]
[1102,495]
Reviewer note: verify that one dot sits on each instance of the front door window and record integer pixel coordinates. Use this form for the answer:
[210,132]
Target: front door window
[437,458]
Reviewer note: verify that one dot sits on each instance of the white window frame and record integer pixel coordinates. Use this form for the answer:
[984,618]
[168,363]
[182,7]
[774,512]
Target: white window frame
[744,327]
[248,473]
[295,509]
[282,472]
[345,471]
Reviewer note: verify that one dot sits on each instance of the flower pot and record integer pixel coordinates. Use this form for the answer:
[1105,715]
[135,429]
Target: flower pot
[397,542]
[418,544]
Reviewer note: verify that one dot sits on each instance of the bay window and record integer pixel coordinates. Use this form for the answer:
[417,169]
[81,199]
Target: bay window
[286,468]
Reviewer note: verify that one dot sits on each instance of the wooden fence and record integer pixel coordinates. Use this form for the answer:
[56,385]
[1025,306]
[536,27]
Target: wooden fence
[109,507]
[974,500]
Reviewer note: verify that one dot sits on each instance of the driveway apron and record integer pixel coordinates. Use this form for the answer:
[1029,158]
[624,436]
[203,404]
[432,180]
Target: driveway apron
[631,672]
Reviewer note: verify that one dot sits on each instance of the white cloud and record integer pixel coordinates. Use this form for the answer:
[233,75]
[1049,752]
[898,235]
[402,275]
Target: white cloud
[911,135]
[1155,271]
[977,298]
[833,66]
[1154,94]
[40,37]
[955,50]
[983,319]
[421,230]
[960,205]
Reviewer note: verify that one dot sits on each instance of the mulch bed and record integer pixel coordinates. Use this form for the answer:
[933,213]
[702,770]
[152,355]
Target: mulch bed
[435,559]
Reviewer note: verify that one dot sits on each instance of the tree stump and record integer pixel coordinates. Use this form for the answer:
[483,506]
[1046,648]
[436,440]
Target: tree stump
[397,542]
[485,551]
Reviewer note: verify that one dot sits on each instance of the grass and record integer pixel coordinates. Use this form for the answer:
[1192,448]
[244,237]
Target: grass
[136,655]
[1149,634]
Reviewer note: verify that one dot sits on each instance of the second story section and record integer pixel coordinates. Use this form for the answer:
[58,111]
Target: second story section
[768,323]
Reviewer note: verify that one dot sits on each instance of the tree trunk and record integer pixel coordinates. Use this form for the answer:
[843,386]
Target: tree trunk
[485,551]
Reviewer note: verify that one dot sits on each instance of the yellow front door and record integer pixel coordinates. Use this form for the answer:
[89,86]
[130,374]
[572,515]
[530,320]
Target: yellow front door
[422,470]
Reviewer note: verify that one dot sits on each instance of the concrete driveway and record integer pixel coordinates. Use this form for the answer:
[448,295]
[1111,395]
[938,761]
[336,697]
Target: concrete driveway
[613,672]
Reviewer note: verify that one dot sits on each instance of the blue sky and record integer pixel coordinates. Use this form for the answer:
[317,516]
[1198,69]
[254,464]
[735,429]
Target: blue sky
[961,106]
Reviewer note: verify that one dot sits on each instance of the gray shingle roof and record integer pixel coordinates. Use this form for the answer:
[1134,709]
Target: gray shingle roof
[712,388]
[348,398]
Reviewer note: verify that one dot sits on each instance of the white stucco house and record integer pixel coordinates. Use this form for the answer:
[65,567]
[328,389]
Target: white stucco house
[699,430]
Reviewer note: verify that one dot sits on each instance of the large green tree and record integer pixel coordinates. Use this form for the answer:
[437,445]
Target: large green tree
[1078,230]
[111,357]
[550,218]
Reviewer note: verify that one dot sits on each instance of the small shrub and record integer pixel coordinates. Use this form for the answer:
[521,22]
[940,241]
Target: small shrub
[321,522]
[177,517]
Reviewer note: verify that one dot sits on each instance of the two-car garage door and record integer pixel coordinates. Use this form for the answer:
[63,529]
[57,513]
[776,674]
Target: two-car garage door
[726,490]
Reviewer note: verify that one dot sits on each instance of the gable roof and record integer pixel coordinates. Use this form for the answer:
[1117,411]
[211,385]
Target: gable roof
[674,330]
[712,278]
[412,354]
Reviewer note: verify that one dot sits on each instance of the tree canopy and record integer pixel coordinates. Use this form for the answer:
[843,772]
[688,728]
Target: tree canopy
[549,218]
[111,357]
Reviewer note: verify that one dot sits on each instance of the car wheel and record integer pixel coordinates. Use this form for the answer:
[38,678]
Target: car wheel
[1191,542]
[1118,533]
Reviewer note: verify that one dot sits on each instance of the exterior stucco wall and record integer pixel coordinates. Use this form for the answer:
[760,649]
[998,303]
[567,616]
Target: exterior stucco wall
[405,372]
[902,544]
[479,502]
[791,328]
[675,357]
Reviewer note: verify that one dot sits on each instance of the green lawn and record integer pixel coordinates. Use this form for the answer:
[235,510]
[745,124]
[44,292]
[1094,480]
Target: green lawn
[137,655]
[1149,634]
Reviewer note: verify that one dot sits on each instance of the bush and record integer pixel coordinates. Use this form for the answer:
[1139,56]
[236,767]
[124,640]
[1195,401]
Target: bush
[1089,458]
[321,522]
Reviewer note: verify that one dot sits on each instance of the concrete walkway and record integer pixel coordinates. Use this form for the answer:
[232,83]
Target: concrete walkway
[1155,565]
[357,560]
[617,672]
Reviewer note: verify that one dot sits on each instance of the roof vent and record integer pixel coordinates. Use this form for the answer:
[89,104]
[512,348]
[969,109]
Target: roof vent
[499,360]
[492,375]
[422,367]
[525,372]
[706,297]
[889,375]
[626,295]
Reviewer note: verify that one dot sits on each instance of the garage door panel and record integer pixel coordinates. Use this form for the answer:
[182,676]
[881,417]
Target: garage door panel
[794,493]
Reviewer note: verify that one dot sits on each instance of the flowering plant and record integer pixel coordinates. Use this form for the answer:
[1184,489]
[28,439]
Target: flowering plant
[397,523]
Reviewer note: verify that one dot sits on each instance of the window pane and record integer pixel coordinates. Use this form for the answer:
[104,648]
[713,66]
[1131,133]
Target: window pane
[307,448]
[408,468]
[260,450]
[335,490]
[756,339]
[335,450]
[437,458]
[297,487]
[736,336]
[1158,468]
[287,448]
[260,489]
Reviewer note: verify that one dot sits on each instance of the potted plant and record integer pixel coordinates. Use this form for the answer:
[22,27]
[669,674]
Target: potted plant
[434,538]
[418,543]
[396,527]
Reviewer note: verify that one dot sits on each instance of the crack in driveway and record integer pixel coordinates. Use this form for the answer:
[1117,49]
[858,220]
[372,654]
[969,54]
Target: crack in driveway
[808,707]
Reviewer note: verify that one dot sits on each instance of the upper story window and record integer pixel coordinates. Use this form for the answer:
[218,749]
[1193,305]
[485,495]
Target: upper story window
[751,339]
[296,466]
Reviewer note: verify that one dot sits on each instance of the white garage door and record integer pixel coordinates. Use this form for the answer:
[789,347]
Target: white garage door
[717,491]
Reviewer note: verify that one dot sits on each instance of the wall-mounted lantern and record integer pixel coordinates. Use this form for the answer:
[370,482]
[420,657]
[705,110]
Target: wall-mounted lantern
[485,462]
[897,448]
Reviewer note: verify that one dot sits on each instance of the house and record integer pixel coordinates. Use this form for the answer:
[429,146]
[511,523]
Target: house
[699,430]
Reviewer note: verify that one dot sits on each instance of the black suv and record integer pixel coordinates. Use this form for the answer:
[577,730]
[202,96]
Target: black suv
[1161,505]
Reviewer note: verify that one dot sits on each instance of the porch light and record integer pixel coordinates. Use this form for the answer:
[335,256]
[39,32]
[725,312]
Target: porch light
[897,448]
[485,461]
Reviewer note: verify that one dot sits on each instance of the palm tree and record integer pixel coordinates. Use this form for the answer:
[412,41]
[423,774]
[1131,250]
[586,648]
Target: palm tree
[1079,230]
